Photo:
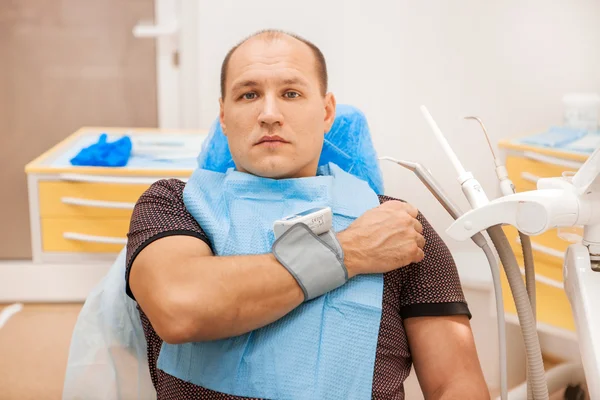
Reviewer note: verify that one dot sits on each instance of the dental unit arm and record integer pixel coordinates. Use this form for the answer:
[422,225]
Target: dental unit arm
[559,202]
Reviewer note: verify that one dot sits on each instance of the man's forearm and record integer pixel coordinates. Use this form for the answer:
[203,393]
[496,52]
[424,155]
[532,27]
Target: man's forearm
[189,295]
[228,296]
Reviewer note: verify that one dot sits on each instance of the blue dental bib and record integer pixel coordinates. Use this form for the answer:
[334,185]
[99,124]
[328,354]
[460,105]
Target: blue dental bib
[325,348]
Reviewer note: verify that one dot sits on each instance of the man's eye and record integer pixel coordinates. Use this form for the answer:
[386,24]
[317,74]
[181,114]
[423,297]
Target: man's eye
[292,95]
[249,96]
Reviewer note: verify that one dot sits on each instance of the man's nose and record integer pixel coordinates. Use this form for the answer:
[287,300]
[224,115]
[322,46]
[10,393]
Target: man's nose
[270,114]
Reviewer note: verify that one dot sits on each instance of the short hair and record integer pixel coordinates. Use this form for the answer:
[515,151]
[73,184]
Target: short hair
[272,34]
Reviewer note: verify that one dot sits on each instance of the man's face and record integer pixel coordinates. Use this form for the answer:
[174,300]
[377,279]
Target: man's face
[274,114]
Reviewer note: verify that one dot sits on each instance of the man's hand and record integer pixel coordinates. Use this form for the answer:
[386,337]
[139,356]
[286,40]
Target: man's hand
[383,239]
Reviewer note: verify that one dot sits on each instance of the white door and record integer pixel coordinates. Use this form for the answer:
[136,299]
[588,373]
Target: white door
[175,33]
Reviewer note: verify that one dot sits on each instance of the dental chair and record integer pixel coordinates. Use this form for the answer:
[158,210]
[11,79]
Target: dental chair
[108,353]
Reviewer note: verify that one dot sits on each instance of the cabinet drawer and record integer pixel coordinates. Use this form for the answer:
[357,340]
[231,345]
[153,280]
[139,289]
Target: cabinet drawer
[102,235]
[553,307]
[88,199]
[524,170]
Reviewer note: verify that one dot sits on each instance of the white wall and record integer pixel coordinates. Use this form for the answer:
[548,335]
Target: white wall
[507,62]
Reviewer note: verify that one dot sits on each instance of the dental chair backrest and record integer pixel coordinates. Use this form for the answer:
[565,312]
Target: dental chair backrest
[348,144]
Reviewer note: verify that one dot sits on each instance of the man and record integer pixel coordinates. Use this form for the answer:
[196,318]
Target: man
[275,111]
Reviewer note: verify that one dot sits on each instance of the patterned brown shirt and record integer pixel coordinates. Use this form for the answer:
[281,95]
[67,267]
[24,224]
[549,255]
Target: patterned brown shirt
[428,288]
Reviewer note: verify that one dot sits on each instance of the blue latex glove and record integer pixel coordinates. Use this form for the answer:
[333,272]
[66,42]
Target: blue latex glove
[105,154]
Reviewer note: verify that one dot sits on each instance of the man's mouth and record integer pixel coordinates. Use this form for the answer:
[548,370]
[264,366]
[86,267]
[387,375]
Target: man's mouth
[272,140]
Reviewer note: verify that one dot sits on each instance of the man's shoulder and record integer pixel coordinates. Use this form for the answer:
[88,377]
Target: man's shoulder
[427,228]
[166,188]
[384,198]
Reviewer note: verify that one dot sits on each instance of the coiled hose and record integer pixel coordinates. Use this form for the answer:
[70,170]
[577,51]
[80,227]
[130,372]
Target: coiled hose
[535,363]
[530,285]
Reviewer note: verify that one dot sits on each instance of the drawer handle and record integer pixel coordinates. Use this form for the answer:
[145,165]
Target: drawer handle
[111,179]
[528,176]
[545,249]
[81,237]
[552,160]
[74,201]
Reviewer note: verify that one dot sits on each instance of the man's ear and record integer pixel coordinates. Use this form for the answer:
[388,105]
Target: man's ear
[222,117]
[329,111]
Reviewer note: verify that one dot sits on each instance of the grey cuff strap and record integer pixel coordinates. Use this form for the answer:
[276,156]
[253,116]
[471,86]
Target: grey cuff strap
[316,262]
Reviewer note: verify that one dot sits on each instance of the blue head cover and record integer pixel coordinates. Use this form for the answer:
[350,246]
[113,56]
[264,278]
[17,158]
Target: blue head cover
[348,144]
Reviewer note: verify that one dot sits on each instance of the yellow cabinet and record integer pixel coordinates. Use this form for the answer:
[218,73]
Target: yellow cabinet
[80,213]
[88,199]
[84,235]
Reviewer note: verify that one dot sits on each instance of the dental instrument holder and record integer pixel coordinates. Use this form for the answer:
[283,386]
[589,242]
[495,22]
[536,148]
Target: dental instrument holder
[430,183]
[558,202]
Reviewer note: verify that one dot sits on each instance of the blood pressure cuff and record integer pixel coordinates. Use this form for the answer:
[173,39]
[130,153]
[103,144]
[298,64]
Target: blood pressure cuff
[316,262]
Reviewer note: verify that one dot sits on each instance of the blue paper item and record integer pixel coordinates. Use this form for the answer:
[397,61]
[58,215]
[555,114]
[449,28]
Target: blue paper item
[323,349]
[587,144]
[104,153]
[555,137]
[348,144]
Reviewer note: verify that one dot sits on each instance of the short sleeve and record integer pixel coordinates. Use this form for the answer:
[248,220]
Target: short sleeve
[158,213]
[431,287]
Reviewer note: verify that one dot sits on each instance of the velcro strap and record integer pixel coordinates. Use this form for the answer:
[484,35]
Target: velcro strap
[316,262]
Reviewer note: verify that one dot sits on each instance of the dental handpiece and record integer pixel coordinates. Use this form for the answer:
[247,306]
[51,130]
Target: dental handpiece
[428,180]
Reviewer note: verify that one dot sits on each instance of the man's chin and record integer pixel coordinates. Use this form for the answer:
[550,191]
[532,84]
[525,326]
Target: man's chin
[274,168]
[273,173]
